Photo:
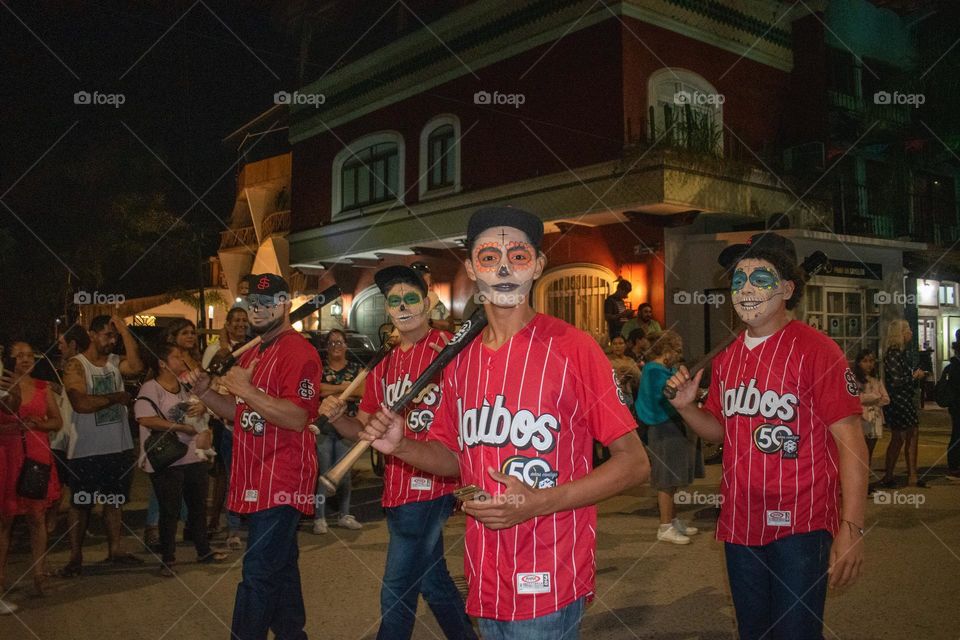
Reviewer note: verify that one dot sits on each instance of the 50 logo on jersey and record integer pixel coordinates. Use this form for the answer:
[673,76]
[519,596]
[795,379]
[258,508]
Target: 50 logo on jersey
[771,438]
[533,472]
[253,422]
[418,419]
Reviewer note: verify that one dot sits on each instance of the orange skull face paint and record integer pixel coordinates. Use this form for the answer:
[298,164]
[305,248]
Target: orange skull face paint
[505,263]
[520,256]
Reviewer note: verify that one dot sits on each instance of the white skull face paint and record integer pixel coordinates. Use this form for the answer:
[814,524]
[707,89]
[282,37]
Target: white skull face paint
[505,265]
[757,291]
[407,307]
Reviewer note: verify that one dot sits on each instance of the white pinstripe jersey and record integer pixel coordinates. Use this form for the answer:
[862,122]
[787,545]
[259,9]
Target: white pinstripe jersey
[273,466]
[389,380]
[531,409]
[776,403]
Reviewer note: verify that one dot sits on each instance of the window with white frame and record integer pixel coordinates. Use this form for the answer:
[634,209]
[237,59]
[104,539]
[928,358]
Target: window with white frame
[440,156]
[685,111]
[368,172]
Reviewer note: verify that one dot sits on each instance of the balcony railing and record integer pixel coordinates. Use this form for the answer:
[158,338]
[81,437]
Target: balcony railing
[869,110]
[240,237]
[891,216]
[278,222]
[689,132]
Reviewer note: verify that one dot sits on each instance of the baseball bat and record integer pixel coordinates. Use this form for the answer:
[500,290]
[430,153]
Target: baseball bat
[464,336]
[811,266]
[329,294]
[352,387]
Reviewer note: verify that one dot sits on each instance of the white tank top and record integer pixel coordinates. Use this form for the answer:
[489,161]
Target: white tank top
[107,430]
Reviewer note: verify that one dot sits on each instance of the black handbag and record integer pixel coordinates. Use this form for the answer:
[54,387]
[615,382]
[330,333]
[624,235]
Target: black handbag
[34,476]
[162,448]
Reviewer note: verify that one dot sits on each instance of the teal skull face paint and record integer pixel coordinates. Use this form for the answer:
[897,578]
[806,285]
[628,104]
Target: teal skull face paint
[757,291]
[410,298]
[738,281]
[764,278]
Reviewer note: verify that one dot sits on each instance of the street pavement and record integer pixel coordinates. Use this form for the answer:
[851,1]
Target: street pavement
[645,588]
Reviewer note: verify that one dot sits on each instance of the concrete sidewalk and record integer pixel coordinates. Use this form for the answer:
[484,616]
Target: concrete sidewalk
[645,588]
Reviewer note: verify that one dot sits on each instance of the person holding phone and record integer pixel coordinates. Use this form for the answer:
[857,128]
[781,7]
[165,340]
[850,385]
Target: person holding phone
[27,437]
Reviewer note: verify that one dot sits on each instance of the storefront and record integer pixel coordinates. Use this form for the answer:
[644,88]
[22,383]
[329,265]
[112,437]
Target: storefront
[852,300]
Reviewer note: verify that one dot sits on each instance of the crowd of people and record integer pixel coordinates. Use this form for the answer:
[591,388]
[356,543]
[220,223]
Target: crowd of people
[511,426]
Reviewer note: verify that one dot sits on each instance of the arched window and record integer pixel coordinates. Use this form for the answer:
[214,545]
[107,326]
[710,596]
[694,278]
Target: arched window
[368,172]
[685,111]
[575,293]
[440,156]
[368,312]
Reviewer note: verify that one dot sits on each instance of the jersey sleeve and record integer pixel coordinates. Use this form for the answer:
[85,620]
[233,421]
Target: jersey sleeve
[443,429]
[836,393]
[300,380]
[373,391]
[605,410]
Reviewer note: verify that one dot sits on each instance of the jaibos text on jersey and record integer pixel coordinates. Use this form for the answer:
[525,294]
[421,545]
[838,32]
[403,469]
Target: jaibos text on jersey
[273,466]
[389,380]
[531,409]
[780,465]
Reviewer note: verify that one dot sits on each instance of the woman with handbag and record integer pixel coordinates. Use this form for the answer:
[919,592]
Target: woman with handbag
[168,445]
[30,479]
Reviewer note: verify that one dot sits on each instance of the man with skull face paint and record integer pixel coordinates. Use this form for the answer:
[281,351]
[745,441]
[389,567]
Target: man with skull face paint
[417,503]
[784,403]
[521,407]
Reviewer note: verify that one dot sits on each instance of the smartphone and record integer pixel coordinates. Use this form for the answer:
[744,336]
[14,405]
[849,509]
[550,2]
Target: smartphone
[467,493]
[9,364]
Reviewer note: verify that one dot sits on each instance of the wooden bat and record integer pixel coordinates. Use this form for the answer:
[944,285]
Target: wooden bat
[470,330]
[328,295]
[811,266]
[354,384]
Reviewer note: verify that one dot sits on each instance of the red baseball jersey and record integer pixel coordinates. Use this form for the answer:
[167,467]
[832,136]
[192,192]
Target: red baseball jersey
[776,403]
[393,376]
[531,409]
[273,466]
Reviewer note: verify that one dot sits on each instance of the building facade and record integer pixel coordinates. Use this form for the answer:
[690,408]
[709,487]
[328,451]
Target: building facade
[647,135]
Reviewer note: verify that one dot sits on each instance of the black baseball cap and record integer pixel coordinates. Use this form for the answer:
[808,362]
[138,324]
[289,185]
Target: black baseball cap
[267,284]
[767,246]
[504,216]
[389,276]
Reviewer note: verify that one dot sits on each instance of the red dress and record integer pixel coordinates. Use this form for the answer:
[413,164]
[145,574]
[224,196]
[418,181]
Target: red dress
[11,457]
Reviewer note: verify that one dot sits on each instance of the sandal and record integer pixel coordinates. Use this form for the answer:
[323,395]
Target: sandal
[69,571]
[213,556]
[125,559]
[167,570]
[234,543]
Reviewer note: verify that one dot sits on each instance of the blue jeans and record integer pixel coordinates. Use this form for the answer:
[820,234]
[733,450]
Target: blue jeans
[330,448]
[269,596]
[415,565]
[779,590]
[226,450]
[562,624]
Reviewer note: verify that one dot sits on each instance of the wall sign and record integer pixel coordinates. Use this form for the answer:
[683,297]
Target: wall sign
[853,269]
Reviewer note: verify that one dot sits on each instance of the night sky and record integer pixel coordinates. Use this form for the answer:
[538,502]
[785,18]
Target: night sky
[89,188]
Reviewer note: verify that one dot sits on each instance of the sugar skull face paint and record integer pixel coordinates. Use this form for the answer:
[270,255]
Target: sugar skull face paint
[757,291]
[406,307]
[504,264]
